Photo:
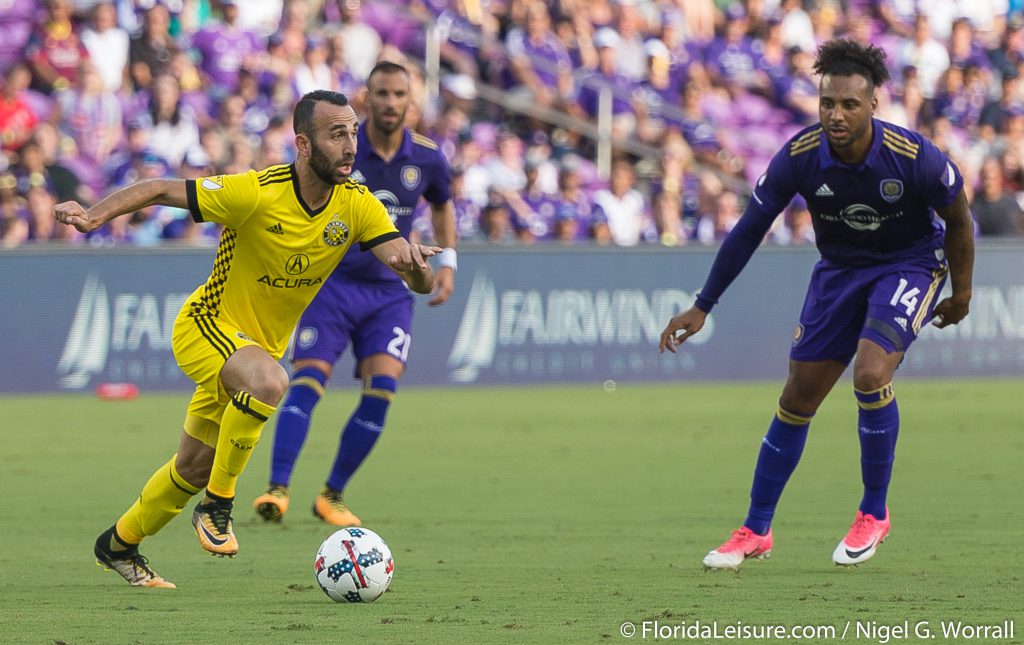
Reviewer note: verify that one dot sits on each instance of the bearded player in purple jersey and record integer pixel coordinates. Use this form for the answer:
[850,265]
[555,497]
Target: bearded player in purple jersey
[873,190]
[363,305]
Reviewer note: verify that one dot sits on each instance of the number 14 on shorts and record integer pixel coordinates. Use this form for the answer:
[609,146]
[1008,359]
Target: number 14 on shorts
[905,297]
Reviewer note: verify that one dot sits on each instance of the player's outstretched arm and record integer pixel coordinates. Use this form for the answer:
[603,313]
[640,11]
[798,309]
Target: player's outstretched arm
[681,327]
[960,255]
[409,261]
[167,192]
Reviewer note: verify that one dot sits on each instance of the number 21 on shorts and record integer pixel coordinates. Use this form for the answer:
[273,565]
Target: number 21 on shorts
[399,345]
[905,297]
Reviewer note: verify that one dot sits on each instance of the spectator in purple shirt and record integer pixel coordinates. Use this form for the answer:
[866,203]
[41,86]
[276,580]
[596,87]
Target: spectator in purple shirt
[964,50]
[657,99]
[16,19]
[464,39]
[797,91]
[91,115]
[956,101]
[538,61]
[533,210]
[467,212]
[224,48]
[734,59]
[606,76]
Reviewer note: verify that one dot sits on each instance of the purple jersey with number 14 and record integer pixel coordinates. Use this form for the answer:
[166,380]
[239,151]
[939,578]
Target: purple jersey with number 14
[363,301]
[881,243]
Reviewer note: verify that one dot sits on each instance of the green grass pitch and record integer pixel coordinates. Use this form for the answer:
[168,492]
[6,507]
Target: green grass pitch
[526,515]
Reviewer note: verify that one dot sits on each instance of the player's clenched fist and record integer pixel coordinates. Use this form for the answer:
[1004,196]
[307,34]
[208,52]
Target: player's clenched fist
[73,214]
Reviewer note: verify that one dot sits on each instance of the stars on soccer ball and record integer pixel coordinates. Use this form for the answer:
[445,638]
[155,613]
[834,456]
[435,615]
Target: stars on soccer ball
[353,596]
[356,532]
[373,556]
[338,569]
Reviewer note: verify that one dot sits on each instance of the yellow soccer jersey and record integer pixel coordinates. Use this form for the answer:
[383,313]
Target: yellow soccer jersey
[276,251]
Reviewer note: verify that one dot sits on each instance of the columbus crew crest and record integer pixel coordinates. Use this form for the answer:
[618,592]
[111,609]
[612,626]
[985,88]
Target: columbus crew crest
[335,233]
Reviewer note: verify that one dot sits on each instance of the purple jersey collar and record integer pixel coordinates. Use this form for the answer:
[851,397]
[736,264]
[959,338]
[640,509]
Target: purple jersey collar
[404,150]
[829,160]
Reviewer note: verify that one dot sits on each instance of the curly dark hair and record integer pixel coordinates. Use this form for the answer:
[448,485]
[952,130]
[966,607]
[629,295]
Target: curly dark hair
[846,57]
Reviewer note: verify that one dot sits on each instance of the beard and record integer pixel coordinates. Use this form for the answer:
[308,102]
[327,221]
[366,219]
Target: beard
[322,166]
[388,128]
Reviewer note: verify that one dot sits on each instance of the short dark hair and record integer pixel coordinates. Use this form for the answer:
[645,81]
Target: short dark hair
[847,57]
[386,67]
[302,122]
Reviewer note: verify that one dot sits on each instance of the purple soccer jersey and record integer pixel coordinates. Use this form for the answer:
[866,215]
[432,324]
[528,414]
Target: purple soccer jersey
[882,246]
[883,263]
[881,210]
[363,300]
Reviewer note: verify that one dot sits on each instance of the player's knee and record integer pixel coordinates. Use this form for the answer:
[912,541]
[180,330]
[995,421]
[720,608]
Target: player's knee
[871,376]
[794,403]
[270,384]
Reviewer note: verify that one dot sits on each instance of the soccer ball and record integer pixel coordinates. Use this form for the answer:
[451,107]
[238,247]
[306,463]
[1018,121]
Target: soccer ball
[354,565]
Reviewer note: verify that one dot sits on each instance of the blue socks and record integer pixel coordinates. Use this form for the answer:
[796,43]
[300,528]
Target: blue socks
[307,386]
[878,426]
[363,429]
[780,453]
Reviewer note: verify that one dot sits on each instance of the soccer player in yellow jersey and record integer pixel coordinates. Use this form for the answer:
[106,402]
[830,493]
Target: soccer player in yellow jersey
[286,228]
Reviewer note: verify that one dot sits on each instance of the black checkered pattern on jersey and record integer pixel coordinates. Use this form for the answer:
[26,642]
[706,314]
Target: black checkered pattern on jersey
[209,303]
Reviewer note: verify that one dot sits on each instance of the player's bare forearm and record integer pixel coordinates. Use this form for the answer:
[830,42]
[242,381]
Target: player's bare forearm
[168,192]
[446,235]
[442,216]
[960,255]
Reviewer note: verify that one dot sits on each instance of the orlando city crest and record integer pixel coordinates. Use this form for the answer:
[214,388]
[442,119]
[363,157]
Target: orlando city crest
[335,233]
[891,189]
[410,177]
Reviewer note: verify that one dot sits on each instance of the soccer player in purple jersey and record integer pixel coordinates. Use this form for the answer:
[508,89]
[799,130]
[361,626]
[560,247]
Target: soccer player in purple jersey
[873,190]
[364,305]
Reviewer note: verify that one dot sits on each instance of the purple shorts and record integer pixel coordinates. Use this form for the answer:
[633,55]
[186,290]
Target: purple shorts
[376,318]
[886,304]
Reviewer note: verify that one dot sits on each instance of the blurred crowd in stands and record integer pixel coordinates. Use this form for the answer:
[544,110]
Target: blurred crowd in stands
[96,95]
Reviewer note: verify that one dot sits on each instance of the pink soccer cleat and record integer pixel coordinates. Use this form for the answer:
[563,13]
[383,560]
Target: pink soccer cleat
[743,545]
[862,540]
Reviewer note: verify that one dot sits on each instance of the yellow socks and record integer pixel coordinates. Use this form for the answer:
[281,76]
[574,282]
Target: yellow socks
[240,430]
[163,497]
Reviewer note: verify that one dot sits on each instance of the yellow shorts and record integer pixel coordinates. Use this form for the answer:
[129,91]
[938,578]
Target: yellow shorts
[202,344]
